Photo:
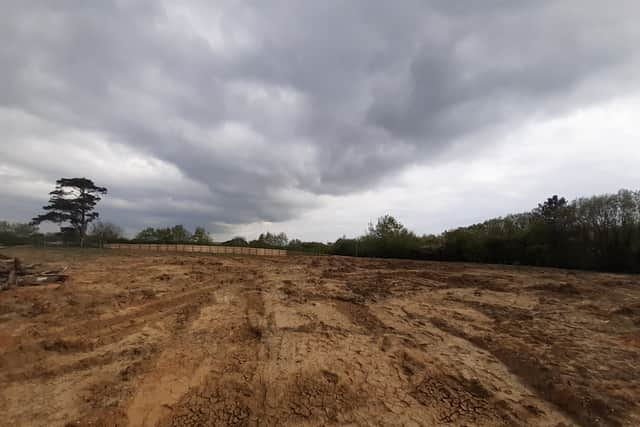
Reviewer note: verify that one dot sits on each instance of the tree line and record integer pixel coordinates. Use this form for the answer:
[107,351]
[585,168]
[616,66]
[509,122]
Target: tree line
[15,233]
[180,234]
[593,233]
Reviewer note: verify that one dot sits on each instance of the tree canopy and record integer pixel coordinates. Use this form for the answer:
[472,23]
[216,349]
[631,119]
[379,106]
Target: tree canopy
[200,236]
[105,232]
[387,238]
[270,240]
[73,201]
[595,233]
[15,233]
[236,241]
[176,234]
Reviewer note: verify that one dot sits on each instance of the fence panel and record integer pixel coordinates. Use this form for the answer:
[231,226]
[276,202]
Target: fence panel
[233,250]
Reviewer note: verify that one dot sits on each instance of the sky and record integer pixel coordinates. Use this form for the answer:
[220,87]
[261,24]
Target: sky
[314,118]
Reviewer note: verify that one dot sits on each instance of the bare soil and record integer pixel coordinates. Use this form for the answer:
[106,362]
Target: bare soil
[195,340]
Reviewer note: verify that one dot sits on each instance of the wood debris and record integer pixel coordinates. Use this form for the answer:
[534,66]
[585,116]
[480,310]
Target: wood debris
[13,273]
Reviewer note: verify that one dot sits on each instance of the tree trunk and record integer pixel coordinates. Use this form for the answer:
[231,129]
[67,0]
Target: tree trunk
[83,223]
[81,232]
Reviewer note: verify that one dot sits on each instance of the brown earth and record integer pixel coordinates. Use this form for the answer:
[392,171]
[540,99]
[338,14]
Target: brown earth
[196,340]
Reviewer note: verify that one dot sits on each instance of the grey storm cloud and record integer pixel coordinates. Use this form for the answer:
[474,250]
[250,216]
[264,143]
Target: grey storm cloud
[261,106]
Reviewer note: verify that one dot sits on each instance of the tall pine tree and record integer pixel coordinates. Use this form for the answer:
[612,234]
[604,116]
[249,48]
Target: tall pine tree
[73,201]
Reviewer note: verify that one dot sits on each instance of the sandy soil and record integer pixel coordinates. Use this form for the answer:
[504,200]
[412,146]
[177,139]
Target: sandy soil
[190,340]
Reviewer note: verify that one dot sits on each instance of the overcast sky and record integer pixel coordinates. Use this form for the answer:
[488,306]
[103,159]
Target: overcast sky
[315,117]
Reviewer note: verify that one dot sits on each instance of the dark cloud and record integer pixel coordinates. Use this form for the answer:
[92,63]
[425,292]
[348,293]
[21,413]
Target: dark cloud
[258,107]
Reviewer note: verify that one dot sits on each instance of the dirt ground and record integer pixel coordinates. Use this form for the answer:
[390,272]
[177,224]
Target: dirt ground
[197,340]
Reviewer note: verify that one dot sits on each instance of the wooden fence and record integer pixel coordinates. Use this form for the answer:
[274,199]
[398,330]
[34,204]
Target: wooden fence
[198,248]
